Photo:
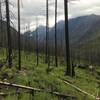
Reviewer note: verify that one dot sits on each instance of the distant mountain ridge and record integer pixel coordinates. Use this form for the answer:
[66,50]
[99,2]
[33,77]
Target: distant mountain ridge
[81,29]
[84,28]
[84,33]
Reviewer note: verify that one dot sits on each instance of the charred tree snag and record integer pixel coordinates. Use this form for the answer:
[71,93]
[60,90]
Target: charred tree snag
[47,36]
[68,65]
[9,56]
[19,46]
[46,32]
[56,58]
[37,46]
[0,18]
[1,41]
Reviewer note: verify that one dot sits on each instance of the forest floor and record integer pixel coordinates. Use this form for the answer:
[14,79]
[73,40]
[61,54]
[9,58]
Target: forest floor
[55,80]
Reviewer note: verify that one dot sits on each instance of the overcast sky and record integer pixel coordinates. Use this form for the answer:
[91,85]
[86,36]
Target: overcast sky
[32,8]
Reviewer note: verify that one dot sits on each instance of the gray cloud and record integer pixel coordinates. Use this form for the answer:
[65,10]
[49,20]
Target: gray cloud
[33,8]
[84,7]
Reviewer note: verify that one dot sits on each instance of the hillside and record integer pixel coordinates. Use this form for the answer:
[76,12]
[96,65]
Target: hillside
[55,80]
[84,34]
[84,37]
[84,28]
[81,29]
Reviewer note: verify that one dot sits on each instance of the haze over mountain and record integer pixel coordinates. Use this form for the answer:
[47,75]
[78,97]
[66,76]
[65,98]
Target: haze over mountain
[84,34]
[85,28]
[81,29]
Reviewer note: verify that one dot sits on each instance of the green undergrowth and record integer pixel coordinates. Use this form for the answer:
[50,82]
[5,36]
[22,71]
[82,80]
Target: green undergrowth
[37,77]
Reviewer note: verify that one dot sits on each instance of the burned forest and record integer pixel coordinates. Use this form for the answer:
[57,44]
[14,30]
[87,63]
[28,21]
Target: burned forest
[49,50]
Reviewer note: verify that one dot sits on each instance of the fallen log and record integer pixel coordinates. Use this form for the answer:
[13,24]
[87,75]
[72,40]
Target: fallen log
[78,89]
[36,89]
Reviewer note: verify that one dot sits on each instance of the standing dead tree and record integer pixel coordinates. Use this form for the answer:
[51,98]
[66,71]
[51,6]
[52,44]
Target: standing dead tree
[1,21]
[47,35]
[19,46]
[56,58]
[46,58]
[0,16]
[68,65]
[9,56]
[37,46]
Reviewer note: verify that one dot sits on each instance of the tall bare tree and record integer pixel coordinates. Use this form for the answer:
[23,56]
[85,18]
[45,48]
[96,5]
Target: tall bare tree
[46,58]
[56,58]
[47,35]
[37,45]
[19,46]
[8,35]
[1,17]
[68,63]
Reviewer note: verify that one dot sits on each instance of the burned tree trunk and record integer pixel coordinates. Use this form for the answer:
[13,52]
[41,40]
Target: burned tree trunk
[19,46]
[0,25]
[68,67]
[37,46]
[9,56]
[0,18]
[56,58]
[47,36]
[46,51]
